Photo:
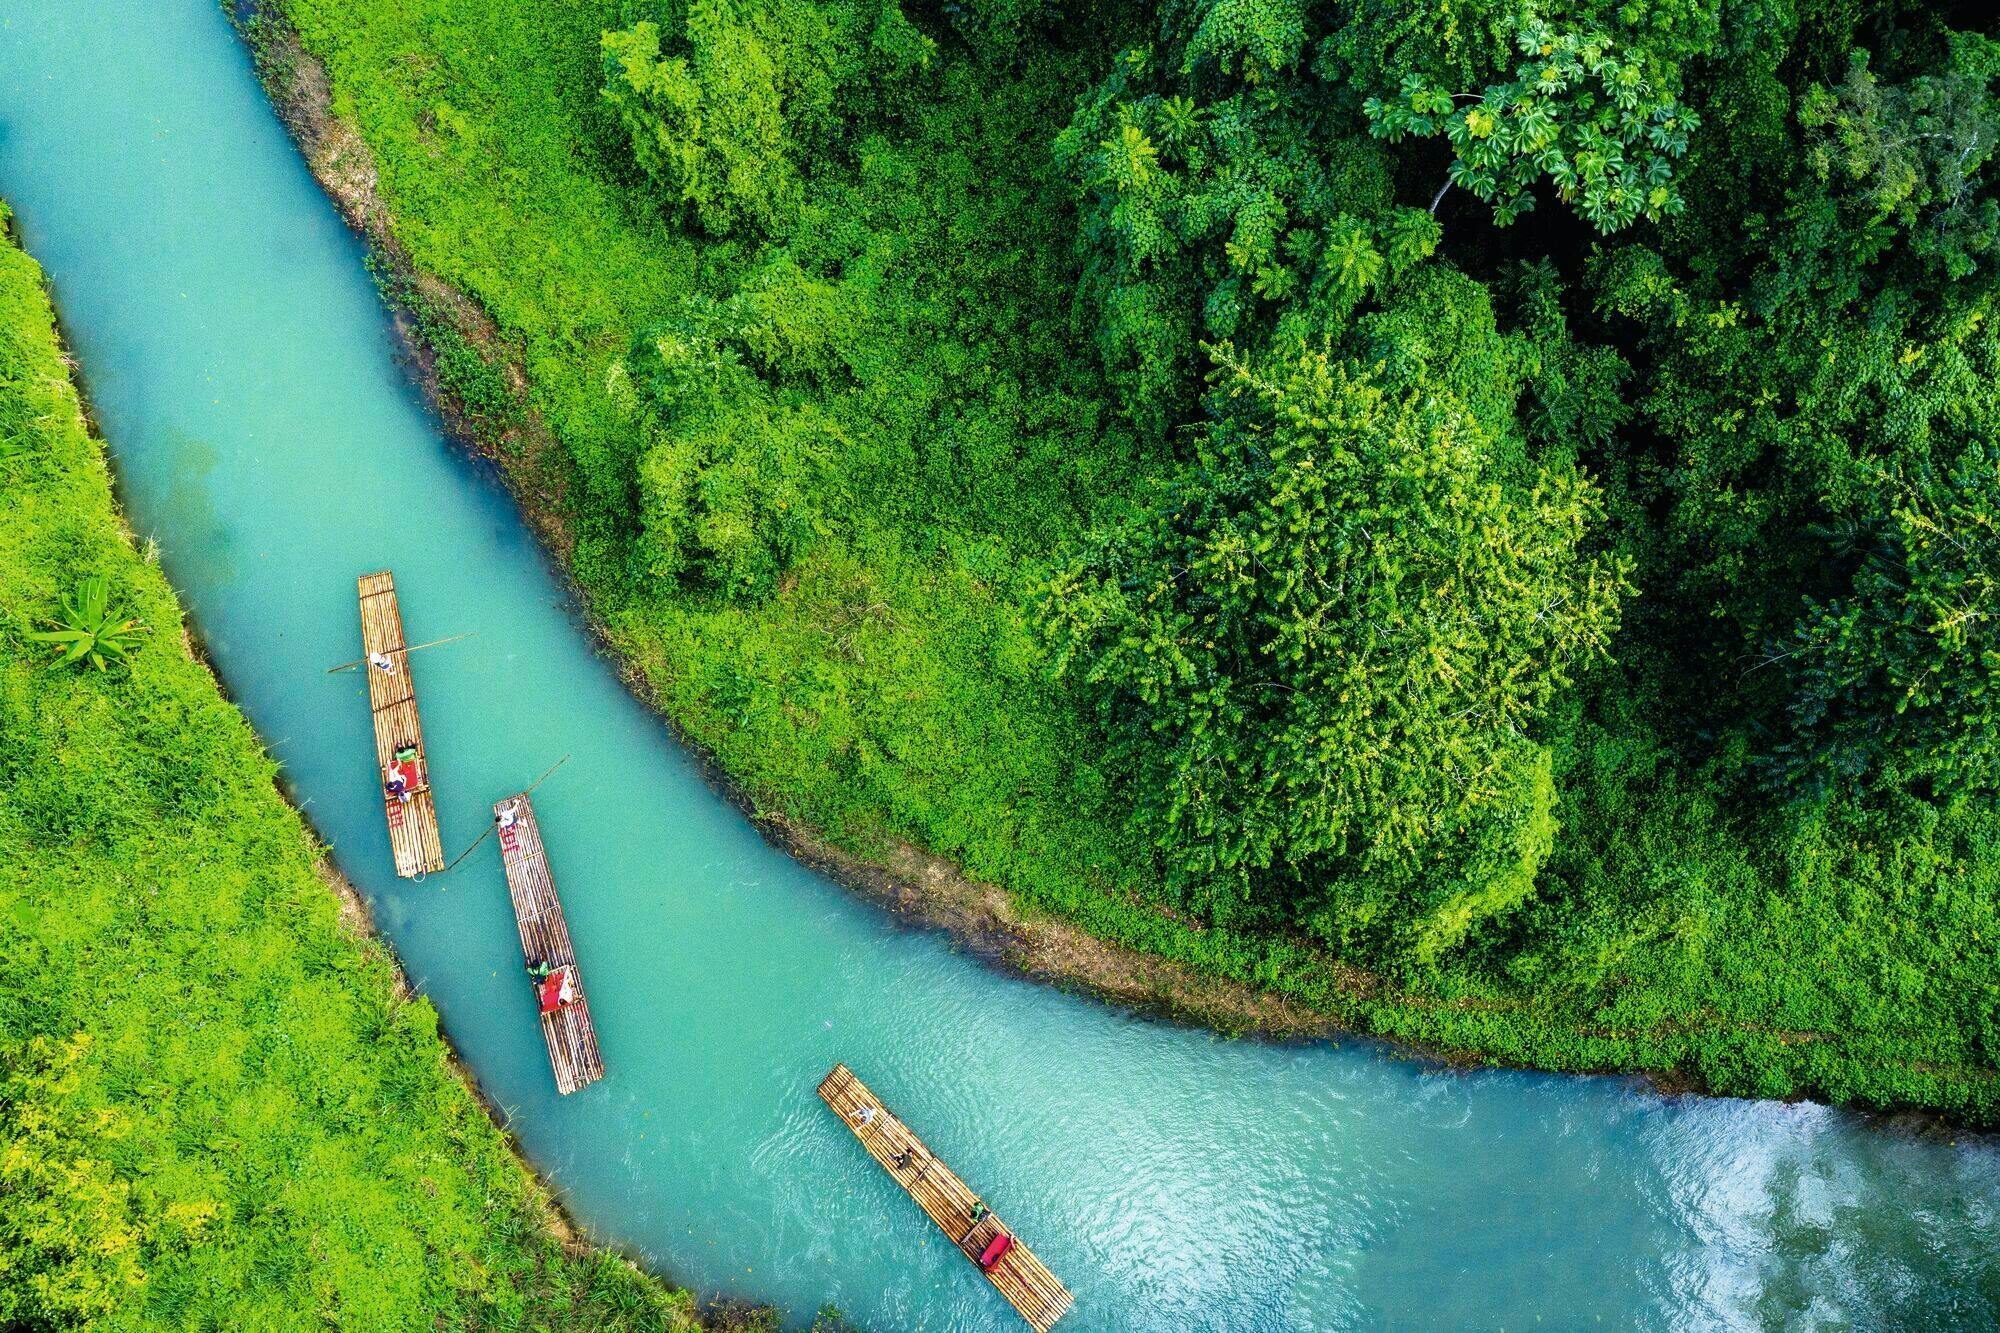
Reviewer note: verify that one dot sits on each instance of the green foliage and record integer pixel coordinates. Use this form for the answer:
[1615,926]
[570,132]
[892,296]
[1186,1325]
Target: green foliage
[1825,365]
[1453,40]
[1323,655]
[467,377]
[89,630]
[1228,189]
[1576,389]
[720,150]
[1914,151]
[724,482]
[1218,194]
[832,369]
[727,104]
[16,427]
[1901,674]
[1578,111]
[218,1109]
[69,1235]
[831,1320]
[1001,30]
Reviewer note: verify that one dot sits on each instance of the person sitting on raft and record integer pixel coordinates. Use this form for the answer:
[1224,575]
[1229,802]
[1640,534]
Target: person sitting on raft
[399,779]
[978,1212]
[555,987]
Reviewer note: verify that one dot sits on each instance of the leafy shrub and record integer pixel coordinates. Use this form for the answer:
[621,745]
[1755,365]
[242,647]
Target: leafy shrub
[725,104]
[71,1229]
[724,484]
[1320,655]
[89,630]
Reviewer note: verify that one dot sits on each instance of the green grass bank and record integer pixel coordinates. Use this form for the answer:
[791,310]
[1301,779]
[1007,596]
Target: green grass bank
[825,562]
[219,1106]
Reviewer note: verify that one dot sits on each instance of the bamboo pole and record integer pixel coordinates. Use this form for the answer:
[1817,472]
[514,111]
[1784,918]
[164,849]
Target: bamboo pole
[489,828]
[394,652]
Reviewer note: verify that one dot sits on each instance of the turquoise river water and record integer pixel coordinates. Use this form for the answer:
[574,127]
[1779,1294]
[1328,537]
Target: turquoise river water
[245,376]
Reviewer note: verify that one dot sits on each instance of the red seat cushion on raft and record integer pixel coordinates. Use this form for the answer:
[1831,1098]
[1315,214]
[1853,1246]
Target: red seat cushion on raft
[551,991]
[995,1248]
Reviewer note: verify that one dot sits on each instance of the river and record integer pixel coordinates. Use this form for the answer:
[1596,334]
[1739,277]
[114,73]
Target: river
[266,438]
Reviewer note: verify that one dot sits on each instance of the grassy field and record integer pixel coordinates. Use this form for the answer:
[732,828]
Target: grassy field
[889,686]
[219,1109]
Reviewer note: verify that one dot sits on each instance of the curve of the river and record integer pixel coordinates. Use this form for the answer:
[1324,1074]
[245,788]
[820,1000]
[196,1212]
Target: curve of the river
[244,374]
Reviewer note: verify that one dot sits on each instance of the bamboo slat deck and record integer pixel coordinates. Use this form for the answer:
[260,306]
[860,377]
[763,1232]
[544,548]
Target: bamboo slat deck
[572,1039]
[1022,1278]
[413,825]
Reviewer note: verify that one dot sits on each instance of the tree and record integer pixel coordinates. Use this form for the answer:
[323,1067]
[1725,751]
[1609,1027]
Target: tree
[707,126]
[1820,371]
[722,479]
[1222,192]
[1226,183]
[1323,657]
[1578,111]
[1901,674]
[723,101]
[1913,152]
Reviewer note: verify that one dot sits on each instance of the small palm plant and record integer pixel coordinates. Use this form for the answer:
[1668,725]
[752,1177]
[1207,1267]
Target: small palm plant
[89,632]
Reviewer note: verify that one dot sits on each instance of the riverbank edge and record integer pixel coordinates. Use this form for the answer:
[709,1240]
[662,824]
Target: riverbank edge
[918,886]
[357,918]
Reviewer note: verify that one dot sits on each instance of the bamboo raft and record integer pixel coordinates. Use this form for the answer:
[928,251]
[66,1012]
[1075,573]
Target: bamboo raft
[571,1037]
[1022,1278]
[413,825]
